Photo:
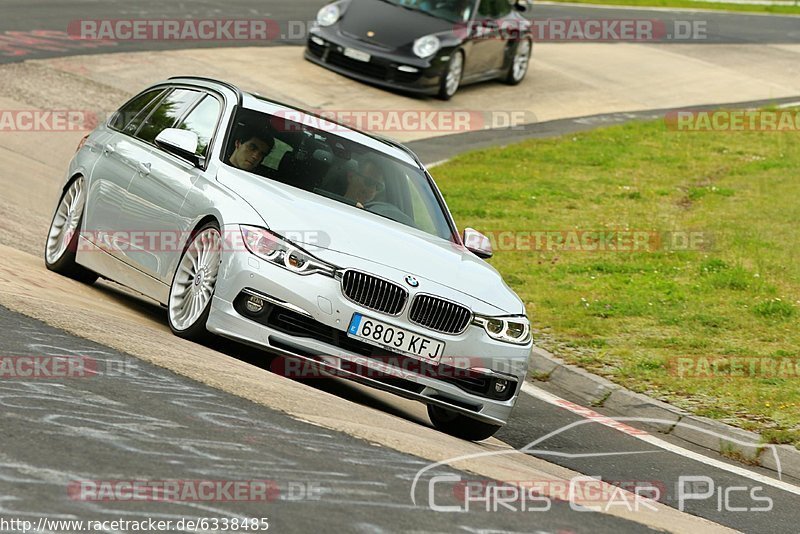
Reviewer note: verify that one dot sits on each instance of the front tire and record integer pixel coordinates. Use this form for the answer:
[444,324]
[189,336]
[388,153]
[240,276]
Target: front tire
[519,63]
[450,80]
[459,425]
[65,229]
[193,284]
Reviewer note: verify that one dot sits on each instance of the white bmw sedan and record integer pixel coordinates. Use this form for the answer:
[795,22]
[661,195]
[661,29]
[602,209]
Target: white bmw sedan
[324,245]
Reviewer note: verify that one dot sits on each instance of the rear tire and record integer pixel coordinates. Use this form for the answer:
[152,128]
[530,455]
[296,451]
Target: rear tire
[65,229]
[519,63]
[459,425]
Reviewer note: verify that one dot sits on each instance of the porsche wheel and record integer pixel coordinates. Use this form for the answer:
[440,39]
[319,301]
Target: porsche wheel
[519,63]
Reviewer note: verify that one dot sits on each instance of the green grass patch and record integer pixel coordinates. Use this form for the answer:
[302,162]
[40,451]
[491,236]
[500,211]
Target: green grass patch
[718,276]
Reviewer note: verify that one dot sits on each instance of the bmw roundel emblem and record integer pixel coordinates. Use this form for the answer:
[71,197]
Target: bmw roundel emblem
[413,282]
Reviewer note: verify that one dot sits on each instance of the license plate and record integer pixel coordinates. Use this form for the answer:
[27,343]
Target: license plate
[358,55]
[395,339]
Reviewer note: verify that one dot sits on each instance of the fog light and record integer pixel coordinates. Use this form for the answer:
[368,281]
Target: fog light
[254,305]
[317,41]
[406,68]
[500,385]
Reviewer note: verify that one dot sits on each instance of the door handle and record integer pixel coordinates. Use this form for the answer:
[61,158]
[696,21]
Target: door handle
[144,169]
[109,149]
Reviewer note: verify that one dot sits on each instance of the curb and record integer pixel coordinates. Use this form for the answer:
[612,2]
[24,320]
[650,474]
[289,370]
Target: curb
[595,391]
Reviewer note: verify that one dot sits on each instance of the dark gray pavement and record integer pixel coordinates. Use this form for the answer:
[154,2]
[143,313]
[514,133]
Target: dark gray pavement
[133,421]
[40,28]
[437,149]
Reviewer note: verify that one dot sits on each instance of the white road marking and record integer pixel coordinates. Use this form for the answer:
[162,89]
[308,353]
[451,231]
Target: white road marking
[642,435]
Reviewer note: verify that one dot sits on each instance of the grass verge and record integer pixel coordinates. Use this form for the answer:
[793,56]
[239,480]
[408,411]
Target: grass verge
[682,317]
[692,4]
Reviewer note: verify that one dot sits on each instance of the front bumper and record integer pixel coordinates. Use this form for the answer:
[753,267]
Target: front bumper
[386,68]
[319,301]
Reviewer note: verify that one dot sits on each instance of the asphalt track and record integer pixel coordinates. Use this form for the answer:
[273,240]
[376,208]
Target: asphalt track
[145,424]
[134,421]
[39,29]
[438,149]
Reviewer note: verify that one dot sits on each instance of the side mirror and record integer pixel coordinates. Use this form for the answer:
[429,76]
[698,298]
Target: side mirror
[182,143]
[477,243]
[522,5]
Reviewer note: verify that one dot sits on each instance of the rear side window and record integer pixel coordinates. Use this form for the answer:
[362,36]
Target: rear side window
[167,113]
[129,111]
[203,121]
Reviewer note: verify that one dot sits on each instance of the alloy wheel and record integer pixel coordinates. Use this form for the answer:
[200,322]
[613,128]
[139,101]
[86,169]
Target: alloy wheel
[66,221]
[195,279]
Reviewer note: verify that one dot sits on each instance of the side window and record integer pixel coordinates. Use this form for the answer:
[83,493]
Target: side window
[203,121]
[129,111]
[273,159]
[167,113]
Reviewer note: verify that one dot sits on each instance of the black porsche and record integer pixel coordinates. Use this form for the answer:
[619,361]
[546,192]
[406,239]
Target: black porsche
[423,46]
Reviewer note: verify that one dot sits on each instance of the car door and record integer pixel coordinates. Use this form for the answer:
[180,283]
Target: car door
[113,171]
[487,42]
[158,193]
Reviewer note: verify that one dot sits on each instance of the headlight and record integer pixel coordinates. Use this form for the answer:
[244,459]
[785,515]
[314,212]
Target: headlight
[427,46]
[328,15]
[515,329]
[278,251]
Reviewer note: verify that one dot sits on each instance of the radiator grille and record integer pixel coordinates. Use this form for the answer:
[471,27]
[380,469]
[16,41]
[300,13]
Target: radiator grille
[439,314]
[373,292]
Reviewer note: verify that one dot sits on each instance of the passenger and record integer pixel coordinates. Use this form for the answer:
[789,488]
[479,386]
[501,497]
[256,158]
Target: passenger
[251,146]
[365,184]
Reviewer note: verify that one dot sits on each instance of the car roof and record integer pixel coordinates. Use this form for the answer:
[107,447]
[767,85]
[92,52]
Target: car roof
[254,101]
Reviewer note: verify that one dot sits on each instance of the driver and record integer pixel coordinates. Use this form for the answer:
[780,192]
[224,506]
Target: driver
[366,183]
[251,146]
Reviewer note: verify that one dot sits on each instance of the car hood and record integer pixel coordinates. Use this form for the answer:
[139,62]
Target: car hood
[394,26]
[318,224]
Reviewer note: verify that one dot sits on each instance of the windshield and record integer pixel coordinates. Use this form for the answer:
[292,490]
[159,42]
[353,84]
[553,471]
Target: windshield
[340,169]
[450,10]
